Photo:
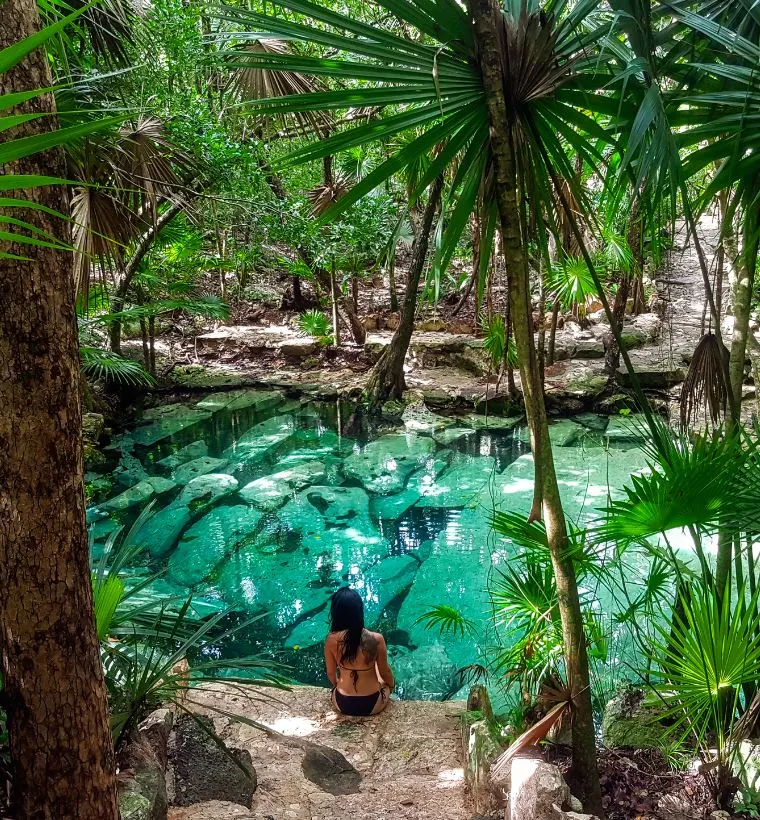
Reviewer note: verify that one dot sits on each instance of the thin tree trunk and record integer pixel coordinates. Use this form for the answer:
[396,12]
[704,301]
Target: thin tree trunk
[612,355]
[334,304]
[584,772]
[355,292]
[145,349]
[53,690]
[387,378]
[152,344]
[392,283]
[142,247]
[553,332]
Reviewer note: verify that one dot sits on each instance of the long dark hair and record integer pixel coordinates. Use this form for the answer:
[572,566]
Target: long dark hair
[347,615]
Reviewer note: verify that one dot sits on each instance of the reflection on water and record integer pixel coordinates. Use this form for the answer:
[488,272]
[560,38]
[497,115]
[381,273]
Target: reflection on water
[261,505]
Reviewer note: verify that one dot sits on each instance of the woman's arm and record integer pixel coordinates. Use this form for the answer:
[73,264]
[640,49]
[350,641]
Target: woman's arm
[331,662]
[384,670]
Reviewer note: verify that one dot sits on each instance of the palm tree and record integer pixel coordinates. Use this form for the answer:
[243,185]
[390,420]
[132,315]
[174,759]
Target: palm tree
[501,93]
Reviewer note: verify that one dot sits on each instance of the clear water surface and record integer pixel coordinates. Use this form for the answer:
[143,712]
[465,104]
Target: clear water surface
[262,506]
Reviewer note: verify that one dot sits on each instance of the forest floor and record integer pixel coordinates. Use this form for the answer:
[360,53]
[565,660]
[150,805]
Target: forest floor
[447,362]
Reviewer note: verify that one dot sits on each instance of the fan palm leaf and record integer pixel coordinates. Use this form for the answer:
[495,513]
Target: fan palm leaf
[433,89]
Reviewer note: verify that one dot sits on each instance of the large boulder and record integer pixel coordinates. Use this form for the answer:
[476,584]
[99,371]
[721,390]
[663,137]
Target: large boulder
[630,721]
[539,792]
[203,768]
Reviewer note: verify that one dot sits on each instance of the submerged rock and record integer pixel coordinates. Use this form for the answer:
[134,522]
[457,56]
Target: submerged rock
[451,434]
[235,400]
[251,581]
[166,421]
[197,449]
[209,541]
[309,632]
[630,428]
[206,489]
[197,467]
[258,442]
[426,673]
[272,491]
[461,484]
[562,433]
[140,494]
[383,581]
[383,465]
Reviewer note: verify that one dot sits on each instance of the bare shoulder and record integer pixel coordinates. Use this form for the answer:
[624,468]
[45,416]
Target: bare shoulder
[374,639]
[331,640]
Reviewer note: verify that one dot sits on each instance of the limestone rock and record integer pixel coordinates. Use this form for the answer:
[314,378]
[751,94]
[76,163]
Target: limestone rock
[451,434]
[162,530]
[426,673]
[167,420]
[140,494]
[207,489]
[197,467]
[562,433]
[654,376]
[630,428]
[299,348]
[536,788]
[272,491]
[258,442]
[383,582]
[461,484]
[143,796]
[629,721]
[204,769]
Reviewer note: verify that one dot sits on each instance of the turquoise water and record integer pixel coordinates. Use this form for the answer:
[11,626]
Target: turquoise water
[260,505]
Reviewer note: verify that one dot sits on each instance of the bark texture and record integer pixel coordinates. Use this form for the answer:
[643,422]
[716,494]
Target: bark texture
[488,33]
[54,695]
[387,378]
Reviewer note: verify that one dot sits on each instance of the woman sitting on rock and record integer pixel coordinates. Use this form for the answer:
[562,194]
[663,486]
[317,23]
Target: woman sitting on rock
[356,659]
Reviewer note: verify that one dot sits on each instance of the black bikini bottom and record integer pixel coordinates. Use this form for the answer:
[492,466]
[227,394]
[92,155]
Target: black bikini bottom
[357,705]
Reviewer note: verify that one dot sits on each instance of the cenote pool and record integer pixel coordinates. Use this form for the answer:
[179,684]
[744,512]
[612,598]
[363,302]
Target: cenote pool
[260,505]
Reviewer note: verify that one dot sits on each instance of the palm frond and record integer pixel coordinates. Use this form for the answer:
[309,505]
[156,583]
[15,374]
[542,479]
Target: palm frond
[105,366]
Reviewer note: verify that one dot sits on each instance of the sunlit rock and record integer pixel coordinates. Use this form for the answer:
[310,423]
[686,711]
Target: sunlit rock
[140,494]
[272,491]
[207,489]
[197,467]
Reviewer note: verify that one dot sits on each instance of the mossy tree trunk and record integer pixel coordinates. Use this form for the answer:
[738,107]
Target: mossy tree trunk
[53,689]
[386,381]
[584,773]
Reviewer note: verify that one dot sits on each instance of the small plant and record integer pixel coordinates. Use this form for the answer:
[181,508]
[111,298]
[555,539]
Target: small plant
[314,323]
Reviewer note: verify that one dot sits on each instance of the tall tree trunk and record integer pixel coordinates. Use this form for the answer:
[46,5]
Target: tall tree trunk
[387,378]
[53,690]
[584,773]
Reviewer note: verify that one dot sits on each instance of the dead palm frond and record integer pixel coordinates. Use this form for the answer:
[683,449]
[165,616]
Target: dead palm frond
[326,194]
[256,83]
[125,178]
[705,385]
